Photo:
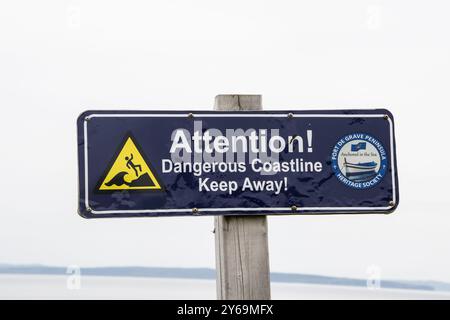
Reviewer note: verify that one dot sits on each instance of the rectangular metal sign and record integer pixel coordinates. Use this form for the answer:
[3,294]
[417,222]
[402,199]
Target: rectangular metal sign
[147,163]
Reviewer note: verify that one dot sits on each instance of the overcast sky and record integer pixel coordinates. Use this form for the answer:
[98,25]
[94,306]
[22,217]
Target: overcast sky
[59,58]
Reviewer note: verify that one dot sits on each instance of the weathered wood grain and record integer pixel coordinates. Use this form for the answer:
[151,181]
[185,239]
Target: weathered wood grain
[242,253]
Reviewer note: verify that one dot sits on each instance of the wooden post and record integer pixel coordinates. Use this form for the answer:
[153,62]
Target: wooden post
[242,252]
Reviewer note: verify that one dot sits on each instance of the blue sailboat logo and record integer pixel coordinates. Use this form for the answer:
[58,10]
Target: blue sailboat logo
[361,171]
[359,160]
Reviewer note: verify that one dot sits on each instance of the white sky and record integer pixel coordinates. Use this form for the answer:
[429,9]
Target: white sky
[59,58]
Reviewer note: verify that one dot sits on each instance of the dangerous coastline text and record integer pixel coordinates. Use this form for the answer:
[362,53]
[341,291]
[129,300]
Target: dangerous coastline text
[260,159]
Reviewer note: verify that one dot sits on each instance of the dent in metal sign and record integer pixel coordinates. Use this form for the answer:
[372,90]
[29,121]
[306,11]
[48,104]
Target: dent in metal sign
[134,163]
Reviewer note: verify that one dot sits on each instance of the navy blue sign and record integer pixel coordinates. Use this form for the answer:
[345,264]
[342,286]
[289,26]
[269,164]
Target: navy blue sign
[139,163]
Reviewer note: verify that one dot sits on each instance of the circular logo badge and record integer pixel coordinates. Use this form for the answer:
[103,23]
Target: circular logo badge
[359,160]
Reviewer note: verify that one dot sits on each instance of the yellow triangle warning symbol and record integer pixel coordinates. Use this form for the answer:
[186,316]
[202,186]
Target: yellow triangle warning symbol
[129,171]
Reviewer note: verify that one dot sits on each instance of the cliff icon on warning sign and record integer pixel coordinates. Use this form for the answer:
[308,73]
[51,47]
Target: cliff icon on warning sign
[129,171]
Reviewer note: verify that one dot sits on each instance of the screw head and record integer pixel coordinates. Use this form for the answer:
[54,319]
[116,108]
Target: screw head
[290,115]
[88,209]
[194,210]
[190,115]
[385,117]
[294,208]
[87,119]
[391,203]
